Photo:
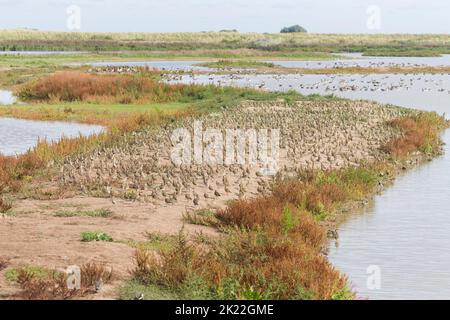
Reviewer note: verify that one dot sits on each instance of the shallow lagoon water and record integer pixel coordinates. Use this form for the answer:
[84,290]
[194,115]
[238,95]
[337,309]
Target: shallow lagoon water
[427,92]
[162,65]
[358,60]
[17,136]
[405,231]
[354,60]
[6,97]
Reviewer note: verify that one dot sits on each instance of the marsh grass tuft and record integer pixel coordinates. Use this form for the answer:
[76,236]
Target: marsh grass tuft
[90,236]
[417,133]
[97,213]
[240,266]
[155,241]
[38,283]
[5,205]
[93,272]
[37,272]
[3,263]
[202,217]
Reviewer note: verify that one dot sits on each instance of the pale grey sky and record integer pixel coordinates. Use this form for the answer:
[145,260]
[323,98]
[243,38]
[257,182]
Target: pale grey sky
[322,16]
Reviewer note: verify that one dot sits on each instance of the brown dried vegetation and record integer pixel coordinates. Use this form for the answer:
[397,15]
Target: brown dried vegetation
[419,132]
[78,86]
[54,285]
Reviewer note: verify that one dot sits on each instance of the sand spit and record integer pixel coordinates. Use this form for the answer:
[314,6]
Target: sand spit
[320,135]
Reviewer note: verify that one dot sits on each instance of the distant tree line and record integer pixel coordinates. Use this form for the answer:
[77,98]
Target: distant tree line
[293,29]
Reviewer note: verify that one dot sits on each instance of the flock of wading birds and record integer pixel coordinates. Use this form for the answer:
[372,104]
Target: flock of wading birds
[313,135]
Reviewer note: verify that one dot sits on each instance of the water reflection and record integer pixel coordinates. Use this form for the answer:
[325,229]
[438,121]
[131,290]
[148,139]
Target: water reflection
[17,136]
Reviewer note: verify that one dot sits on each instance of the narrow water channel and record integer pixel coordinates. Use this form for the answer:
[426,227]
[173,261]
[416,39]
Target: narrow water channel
[405,234]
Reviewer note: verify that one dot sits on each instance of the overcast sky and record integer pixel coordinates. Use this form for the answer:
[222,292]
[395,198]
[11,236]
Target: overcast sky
[322,16]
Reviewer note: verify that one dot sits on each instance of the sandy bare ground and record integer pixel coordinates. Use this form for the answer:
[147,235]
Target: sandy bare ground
[35,236]
[313,134]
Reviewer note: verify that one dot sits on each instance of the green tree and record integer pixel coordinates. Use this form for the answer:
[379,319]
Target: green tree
[292,29]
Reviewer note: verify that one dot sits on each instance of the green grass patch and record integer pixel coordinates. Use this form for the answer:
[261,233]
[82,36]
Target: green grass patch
[151,292]
[97,213]
[156,241]
[105,109]
[202,217]
[90,113]
[192,289]
[36,271]
[90,236]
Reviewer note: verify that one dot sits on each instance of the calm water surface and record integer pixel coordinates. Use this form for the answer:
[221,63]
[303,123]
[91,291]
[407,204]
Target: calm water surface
[358,60]
[17,136]
[405,232]
[162,65]
[6,97]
